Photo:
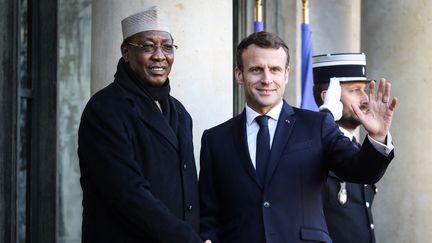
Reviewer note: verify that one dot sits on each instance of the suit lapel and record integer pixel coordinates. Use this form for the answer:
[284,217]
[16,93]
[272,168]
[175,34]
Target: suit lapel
[282,134]
[240,140]
[152,116]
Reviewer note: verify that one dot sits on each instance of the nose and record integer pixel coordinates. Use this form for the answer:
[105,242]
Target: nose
[364,99]
[267,77]
[158,54]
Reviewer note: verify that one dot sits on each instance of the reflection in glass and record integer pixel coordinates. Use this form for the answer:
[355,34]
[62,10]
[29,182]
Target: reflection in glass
[23,160]
[74,33]
[24,125]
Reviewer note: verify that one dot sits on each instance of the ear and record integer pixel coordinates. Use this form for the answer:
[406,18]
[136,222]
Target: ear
[125,53]
[238,76]
[323,95]
[287,71]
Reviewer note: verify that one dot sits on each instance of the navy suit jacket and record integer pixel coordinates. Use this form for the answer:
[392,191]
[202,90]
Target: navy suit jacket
[288,208]
[138,177]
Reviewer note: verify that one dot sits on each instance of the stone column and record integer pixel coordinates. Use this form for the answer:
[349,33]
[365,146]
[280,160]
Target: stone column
[397,35]
[201,77]
[335,25]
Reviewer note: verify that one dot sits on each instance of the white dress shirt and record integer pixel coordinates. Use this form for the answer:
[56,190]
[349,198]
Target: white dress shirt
[384,149]
[252,127]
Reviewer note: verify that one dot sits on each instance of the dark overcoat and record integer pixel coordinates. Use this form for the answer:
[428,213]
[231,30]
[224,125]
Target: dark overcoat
[138,177]
[288,208]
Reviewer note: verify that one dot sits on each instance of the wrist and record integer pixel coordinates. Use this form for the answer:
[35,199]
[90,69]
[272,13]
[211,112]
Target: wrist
[379,137]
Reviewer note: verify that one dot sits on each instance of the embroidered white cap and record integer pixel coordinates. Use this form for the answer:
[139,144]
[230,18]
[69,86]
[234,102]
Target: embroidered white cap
[348,67]
[152,18]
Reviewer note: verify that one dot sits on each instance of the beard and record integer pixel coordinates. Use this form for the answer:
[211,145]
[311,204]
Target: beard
[349,122]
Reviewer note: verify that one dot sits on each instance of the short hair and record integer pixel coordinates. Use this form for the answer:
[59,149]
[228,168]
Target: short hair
[262,39]
[318,88]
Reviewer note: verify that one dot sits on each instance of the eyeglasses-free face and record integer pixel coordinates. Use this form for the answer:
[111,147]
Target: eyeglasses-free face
[264,77]
[152,58]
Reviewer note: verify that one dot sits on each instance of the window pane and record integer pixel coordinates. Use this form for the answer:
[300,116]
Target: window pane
[23,160]
[23,126]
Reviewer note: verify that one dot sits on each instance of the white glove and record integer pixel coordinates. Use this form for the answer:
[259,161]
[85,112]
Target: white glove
[332,99]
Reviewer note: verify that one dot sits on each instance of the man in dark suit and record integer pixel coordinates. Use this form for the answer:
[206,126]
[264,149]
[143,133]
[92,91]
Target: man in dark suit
[263,182]
[138,172]
[347,206]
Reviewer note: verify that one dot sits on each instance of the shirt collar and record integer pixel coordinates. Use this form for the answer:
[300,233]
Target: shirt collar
[273,113]
[346,133]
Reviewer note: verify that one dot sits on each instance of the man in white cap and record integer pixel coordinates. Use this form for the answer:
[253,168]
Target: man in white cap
[138,172]
[347,206]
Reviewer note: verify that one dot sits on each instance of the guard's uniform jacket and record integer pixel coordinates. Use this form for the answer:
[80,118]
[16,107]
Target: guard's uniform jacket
[349,216]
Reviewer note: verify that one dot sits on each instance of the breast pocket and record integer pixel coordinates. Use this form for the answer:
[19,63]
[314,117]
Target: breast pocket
[300,145]
[314,235]
[306,153]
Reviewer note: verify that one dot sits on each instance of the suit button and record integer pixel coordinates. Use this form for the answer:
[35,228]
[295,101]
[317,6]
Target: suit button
[266,204]
[365,185]
[189,207]
[372,226]
[184,166]
[367,204]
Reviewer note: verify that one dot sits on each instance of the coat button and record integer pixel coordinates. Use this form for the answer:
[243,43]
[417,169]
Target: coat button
[266,204]
[189,207]
[367,204]
[184,166]
[372,226]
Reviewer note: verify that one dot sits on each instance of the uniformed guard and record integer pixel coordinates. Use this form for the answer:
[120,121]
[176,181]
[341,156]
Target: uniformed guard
[347,206]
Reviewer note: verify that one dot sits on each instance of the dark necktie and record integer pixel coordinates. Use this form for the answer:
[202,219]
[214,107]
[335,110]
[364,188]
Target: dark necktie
[354,141]
[262,148]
